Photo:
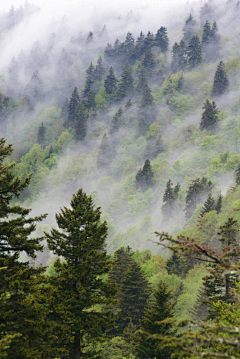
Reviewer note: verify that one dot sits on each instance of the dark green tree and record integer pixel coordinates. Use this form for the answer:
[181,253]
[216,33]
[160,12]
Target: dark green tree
[73,107]
[218,206]
[4,110]
[237,175]
[173,264]
[147,98]
[209,116]
[189,29]
[148,61]
[140,44]
[144,177]
[41,135]
[208,206]
[169,198]
[161,39]
[118,121]
[155,326]
[148,41]
[99,71]
[110,82]
[142,79]
[210,42]
[179,57]
[19,316]
[81,123]
[90,70]
[195,192]
[129,48]
[194,52]
[105,154]
[125,86]
[79,284]
[90,38]
[220,83]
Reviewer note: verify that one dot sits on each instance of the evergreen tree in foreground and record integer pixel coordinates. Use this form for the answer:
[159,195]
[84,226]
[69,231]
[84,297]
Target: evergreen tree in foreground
[194,52]
[144,177]
[155,327]
[79,284]
[220,83]
[161,39]
[209,116]
[19,316]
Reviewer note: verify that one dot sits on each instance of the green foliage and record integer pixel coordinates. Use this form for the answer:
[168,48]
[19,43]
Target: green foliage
[220,83]
[209,116]
[144,177]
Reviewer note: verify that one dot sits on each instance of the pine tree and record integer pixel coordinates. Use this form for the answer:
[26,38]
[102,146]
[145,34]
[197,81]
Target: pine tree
[89,38]
[34,89]
[140,43]
[99,71]
[147,98]
[144,177]
[73,107]
[169,198]
[237,175]
[79,284]
[19,317]
[41,135]
[161,39]
[220,83]
[189,29]
[155,327]
[142,79]
[129,48]
[148,61]
[208,206]
[4,110]
[218,206]
[81,123]
[110,82]
[195,192]
[179,57]
[209,116]
[134,294]
[207,34]
[117,121]
[148,41]
[173,264]
[125,86]
[105,154]
[64,110]
[194,52]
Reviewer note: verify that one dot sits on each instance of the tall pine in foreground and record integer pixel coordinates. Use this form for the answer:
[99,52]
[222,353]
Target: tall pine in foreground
[19,314]
[155,327]
[79,285]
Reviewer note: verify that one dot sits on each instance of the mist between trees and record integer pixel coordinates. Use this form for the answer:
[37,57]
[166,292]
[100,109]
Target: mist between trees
[145,121]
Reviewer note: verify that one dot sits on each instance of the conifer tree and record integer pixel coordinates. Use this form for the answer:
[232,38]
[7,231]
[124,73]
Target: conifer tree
[148,41]
[99,71]
[4,110]
[64,110]
[148,61]
[144,177]
[208,206]
[147,98]
[237,175]
[207,34]
[129,47]
[161,39]
[195,192]
[155,327]
[19,317]
[179,57]
[125,86]
[79,285]
[220,83]
[142,79]
[206,12]
[173,264]
[81,123]
[105,154]
[73,107]
[140,43]
[218,206]
[110,82]
[117,121]
[189,29]
[209,116]
[194,52]
[41,135]
[169,197]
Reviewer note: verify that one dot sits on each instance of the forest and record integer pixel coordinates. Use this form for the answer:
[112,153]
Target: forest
[119,181]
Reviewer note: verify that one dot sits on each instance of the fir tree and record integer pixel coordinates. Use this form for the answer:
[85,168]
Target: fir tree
[34,89]
[125,86]
[19,317]
[90,70]
[140,44]
[81,123]
[117,121]
[194,52]
[210,42]
[148,61]
[161,39]
[129,47]
[142,79]
[205,14]
[218,206]
[173,264]
[189,29]
[79,284]
[64,110]
[220,83]
[105,154]
[179,56]
[99,71]
[209,116]
[110,82]
[237,175]
[4,110]
[169,198]
[147,98]
[195,192]
[155,326]
[73,107]
[148,41]
[208,206]
[41,135]
[144,177]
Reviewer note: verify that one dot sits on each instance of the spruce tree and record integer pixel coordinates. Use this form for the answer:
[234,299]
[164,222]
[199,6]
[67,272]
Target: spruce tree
[140,43]
[237,175]
[148,61]
[129,47]
[161,39]
[169,198]
[144,177]
[81,123]
[220,83]
[73,107]
[179,56]
[99,71]
[125,86]
[195,192]
[142,79]
[110,82]
[155,326]
[208,206]
[173,264]
[218,206]
[189,29]
[147,98]
[117,121]
[209,116]
[41,135]
[194,52]
[78,284]
[21,316]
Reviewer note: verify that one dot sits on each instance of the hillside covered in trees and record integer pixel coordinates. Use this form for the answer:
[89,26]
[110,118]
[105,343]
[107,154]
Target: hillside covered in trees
[119,183]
